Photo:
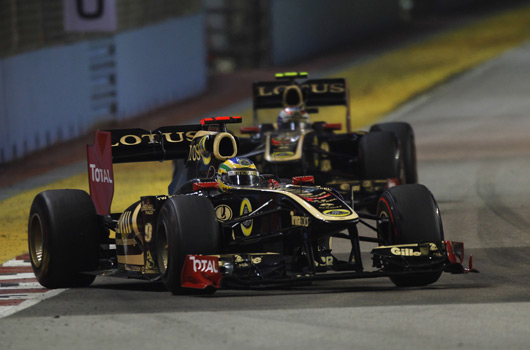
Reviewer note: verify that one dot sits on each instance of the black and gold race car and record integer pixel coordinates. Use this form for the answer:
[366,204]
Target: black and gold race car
[362,163]
[223,224]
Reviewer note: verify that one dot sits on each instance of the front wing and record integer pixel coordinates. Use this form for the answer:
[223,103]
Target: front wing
[258,270]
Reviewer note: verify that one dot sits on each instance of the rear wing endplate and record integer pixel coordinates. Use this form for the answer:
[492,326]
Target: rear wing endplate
[100,172]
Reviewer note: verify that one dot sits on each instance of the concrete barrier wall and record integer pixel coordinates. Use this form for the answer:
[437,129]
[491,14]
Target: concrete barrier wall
[160,65]
[45,94]
[4,123]
[301,28]
[45,98]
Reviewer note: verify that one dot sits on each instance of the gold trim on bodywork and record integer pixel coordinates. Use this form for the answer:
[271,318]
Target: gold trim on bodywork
[298,91]
[297,155]
[217,141]
[312,210]
[135,229]
[202,133]
[131,259]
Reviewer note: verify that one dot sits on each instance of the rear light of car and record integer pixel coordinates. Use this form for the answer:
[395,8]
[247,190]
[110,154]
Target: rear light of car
[224,119]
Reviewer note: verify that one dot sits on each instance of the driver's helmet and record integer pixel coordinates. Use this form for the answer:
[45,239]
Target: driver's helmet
[237,172]
[293,118]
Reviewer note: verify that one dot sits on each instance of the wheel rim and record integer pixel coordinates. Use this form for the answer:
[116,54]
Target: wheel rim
[36,240]
[162,250]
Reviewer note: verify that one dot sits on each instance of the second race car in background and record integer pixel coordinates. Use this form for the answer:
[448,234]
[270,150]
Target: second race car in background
[358,164]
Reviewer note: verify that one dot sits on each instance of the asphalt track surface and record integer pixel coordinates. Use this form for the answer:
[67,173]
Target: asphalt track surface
[474,154]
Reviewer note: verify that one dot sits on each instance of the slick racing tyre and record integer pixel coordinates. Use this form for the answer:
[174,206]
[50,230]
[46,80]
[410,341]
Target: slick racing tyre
[379,156]
[63,237]
[405,134]
[413,217]
[379,159]
[186,225]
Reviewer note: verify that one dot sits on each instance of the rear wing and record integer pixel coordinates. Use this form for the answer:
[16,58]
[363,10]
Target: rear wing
[138,145]
[131,145]
[314,93]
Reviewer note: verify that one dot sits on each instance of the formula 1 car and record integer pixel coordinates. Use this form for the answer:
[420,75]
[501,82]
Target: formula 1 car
[225,225]
[359,163]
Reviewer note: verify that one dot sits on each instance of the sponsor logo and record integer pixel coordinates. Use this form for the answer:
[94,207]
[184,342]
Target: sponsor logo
[404,251]
[148,208]
[198,151]
[200,272]
[325,261]
[299,220]
[203,265]
[223,212]
[326,205]
[246,208]
[316,197]
[99,175]
[176,137]
[194,153]
[244,161]
[149,262]
[335,88]
[336,212]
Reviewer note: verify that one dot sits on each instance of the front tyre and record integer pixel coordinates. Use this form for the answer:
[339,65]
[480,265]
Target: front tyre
[63,237]
[414,217]
[186,225]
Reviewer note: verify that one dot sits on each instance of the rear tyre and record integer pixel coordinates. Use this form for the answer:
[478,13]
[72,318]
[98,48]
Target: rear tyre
[186,225]
[379,159]
[414,218]
[63,237]
[379,156]
[405,134]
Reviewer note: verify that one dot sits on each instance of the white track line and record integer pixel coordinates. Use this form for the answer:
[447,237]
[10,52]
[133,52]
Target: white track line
[12,301]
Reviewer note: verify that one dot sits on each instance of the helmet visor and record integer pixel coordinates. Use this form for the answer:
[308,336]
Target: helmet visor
[242,178]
